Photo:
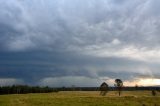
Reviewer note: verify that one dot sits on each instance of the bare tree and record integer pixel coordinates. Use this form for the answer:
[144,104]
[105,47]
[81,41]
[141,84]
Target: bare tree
[119,84]
[104,89]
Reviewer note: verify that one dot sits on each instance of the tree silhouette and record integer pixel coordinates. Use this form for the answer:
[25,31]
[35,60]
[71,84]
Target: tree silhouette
[104,89]
[23,89]
[119,84]
[136,87]
[153,93]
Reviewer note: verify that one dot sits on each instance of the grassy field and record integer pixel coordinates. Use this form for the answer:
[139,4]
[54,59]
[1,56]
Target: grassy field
[128,98]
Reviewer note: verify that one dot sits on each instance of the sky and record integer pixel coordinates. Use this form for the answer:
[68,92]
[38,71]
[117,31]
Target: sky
[79,42]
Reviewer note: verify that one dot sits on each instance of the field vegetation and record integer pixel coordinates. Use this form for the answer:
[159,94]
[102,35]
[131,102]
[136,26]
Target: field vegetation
[82,98]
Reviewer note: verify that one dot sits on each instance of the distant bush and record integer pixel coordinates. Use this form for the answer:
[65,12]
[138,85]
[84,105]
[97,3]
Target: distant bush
[153,93]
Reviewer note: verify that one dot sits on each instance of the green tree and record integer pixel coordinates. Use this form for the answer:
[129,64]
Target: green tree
[104,89]
[118,84]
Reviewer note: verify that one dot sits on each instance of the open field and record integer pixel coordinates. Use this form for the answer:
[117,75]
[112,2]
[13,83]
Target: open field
[81,98]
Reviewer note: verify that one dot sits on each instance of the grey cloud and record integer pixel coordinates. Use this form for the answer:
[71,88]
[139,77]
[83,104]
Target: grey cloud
[60,38]
[79,23]
[70,81]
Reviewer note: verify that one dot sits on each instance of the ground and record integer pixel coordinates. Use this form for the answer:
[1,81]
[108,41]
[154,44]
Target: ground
[81,98]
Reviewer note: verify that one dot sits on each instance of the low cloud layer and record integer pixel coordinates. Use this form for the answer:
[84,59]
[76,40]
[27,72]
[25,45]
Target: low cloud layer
[10,81]
[53,40]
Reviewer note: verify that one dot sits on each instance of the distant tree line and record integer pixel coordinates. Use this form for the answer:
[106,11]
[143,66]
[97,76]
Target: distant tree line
[23,89]
[109,88]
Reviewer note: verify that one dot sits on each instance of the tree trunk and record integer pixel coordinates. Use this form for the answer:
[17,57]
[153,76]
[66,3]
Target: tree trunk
[119,93]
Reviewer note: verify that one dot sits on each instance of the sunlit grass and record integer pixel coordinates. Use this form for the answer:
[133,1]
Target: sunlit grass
[128,98]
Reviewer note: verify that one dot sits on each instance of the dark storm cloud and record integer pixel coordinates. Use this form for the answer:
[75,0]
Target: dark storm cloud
[34,66]
[43,40]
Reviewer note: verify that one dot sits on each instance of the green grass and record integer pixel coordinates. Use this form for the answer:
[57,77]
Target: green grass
[128,98]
